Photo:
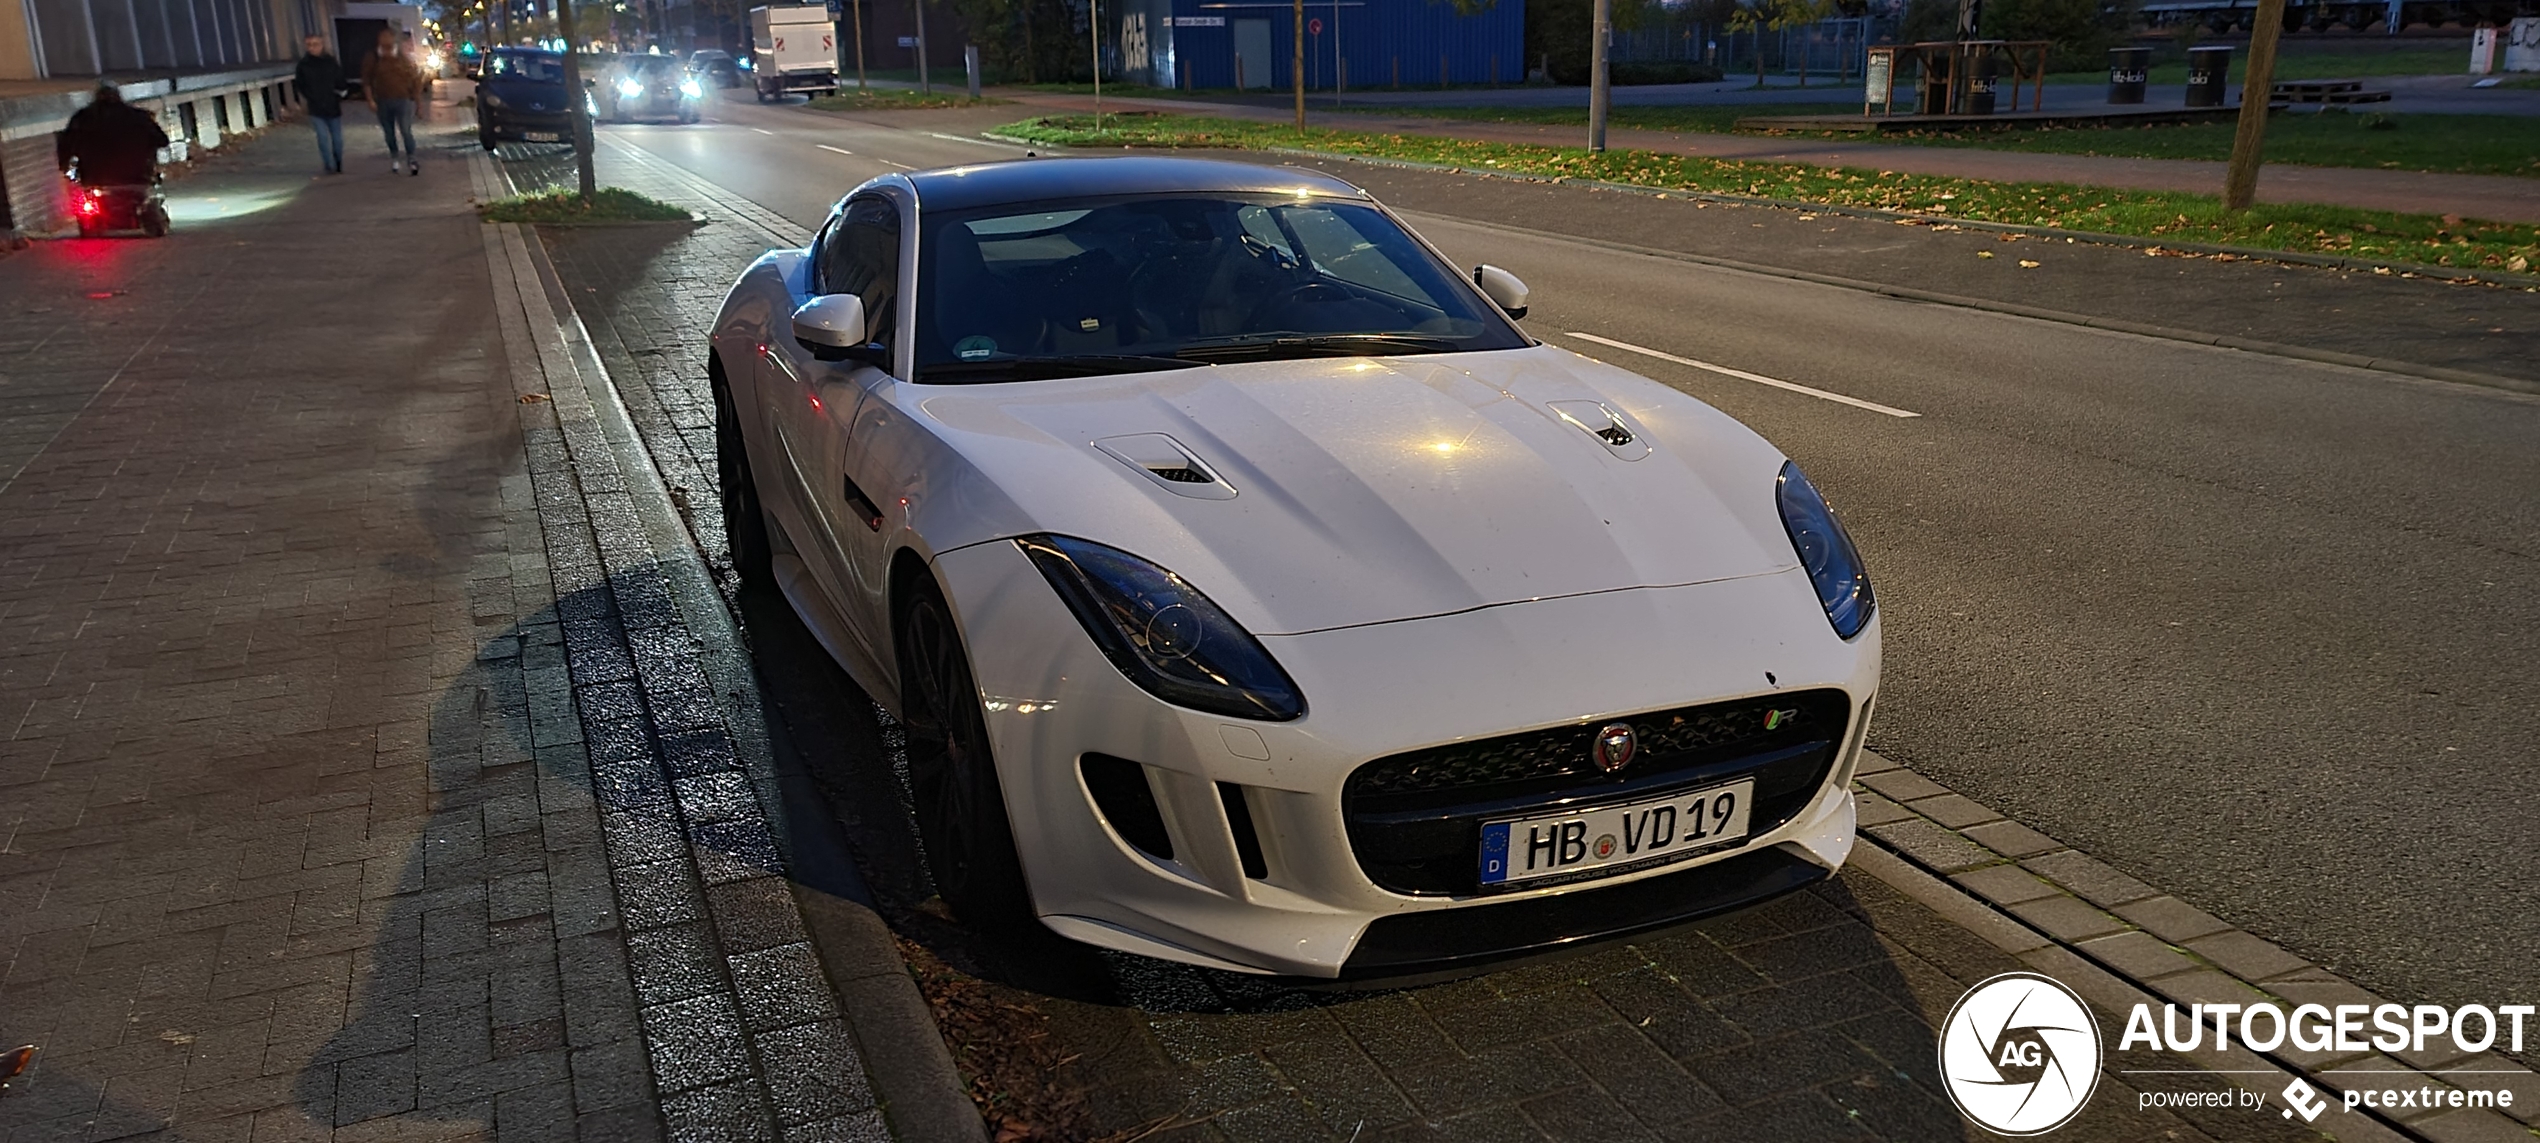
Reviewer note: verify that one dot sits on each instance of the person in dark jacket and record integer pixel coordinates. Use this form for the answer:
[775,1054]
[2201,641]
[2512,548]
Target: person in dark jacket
[393,83]
[320,82]
[112,142]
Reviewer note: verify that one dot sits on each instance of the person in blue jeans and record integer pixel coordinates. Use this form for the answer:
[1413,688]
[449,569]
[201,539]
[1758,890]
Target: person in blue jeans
[392,83]
[320,82]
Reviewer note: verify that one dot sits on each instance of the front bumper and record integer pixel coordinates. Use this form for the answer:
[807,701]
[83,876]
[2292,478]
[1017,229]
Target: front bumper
[517,126]
[1289,895]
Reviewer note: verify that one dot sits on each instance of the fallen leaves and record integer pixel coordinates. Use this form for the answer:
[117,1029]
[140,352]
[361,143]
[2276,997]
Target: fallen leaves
[535,398]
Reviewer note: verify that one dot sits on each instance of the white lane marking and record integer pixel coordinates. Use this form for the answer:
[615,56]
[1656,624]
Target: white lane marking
[762,130]
[1743,375]
[902,166]
[827,147]
[975,142]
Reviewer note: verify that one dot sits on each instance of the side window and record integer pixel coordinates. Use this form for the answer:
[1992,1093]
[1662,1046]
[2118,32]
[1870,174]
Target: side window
[860,255]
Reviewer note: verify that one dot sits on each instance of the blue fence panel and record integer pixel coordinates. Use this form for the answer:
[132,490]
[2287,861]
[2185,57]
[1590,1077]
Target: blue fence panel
[1360,44]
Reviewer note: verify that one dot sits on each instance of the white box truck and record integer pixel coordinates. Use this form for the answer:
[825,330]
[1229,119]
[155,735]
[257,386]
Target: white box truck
[793,47]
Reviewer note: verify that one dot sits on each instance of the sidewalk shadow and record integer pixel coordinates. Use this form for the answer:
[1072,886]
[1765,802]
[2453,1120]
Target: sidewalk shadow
[497,991]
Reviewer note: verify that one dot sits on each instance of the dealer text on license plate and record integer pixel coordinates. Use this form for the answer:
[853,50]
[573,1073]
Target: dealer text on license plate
[1584,841]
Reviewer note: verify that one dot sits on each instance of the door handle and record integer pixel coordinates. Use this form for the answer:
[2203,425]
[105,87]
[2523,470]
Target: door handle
[865,509]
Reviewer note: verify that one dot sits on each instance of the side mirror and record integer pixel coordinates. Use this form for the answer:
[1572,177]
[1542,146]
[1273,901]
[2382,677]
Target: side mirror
[832,327]
[1501,287]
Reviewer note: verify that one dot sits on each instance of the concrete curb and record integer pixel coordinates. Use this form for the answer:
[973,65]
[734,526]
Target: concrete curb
[2140,329]
[2041,313]
[2525,282]
[2120,942]
[911,1070]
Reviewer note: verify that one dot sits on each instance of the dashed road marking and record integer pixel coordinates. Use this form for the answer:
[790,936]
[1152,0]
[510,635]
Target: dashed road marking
[1743,375]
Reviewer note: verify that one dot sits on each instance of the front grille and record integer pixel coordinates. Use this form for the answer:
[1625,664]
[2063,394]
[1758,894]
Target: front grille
[1415,818]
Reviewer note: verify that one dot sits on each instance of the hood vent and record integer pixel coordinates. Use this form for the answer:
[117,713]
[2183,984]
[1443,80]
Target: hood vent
[1598,420]
[1166,462]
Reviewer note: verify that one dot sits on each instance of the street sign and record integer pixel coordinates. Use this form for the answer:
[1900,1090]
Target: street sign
[1314,27]
[837,8]
[908,41]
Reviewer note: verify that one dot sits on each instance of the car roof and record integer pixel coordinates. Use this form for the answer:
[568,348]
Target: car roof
[1031,180]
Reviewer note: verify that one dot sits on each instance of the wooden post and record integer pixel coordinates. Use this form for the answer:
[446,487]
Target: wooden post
[2257,93]
[859,45]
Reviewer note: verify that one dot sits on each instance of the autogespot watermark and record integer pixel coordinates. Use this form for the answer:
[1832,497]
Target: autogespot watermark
[2020,1054]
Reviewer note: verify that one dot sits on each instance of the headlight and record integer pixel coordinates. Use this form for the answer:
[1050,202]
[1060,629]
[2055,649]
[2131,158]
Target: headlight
[1163,634]
[688,87]
[1826,550]
[629,88]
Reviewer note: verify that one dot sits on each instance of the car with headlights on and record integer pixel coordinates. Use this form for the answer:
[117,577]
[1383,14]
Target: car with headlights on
[520,98]
[1256,594]
[647,87]
[714,68]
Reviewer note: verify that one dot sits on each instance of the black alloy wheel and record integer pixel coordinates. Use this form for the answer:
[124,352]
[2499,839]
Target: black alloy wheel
[744,525]
[952,773]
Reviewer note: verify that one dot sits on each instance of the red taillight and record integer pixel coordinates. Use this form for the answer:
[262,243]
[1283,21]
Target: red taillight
[88,205]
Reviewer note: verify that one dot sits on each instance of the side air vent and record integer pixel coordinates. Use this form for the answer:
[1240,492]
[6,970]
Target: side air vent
[1166,462]
[1239,819]
[1120,791]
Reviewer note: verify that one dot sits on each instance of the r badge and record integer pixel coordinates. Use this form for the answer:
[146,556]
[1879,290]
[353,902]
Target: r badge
[1615,745]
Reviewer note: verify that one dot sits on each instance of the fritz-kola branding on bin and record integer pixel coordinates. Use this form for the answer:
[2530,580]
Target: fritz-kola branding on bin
[2020,1053]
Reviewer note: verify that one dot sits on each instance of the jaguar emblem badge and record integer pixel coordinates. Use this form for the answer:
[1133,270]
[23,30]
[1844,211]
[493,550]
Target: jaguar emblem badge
[1615,745]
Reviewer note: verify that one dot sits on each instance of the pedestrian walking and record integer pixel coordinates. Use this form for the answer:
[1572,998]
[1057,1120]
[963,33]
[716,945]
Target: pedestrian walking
[320,82]
[392,83]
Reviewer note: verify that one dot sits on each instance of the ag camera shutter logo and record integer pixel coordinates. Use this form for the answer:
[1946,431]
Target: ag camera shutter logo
[2020,1054]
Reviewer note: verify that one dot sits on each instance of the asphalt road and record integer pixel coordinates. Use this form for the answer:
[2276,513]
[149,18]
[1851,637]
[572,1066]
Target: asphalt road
[2255,630]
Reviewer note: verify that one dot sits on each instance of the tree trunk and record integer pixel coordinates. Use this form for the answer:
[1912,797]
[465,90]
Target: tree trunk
[1600,73]
[2257,92]
[583,145]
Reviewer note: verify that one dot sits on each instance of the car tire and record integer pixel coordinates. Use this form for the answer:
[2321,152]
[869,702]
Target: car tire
[952,771]
[154,221]
[744,521]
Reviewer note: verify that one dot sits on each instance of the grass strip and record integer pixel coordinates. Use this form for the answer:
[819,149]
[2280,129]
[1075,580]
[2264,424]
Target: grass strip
[564,207]
[2159,215]
[2464,144]
[895,99]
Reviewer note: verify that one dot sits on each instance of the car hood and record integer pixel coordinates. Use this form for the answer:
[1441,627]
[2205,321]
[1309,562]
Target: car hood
[1368,490]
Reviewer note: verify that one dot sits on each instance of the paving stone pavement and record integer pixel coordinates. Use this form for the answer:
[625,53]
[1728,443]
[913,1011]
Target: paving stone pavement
[1811,1018]
[361,776]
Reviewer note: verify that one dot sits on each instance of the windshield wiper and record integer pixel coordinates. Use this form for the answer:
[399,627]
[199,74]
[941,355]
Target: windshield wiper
[1253,347]
[1044,368]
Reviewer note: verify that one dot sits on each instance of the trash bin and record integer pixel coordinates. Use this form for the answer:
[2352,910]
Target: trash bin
[2126,68]
[2208,76]
[1981,73]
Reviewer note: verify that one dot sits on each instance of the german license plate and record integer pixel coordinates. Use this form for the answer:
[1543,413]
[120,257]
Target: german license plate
[1596,840]
[544,137]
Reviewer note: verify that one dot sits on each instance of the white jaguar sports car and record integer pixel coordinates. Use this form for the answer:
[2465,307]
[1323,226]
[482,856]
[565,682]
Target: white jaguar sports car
[1256,594]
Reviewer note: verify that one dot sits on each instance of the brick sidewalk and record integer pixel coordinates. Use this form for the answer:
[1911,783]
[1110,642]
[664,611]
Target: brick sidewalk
[361,776]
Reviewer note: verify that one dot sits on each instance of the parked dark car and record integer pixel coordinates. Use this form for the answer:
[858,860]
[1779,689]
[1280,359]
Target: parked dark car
[647,87]
[521,98]
[714,69]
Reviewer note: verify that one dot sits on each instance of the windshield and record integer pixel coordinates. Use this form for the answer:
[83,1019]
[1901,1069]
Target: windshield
[535,69]
[655,67]
[1058,289]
